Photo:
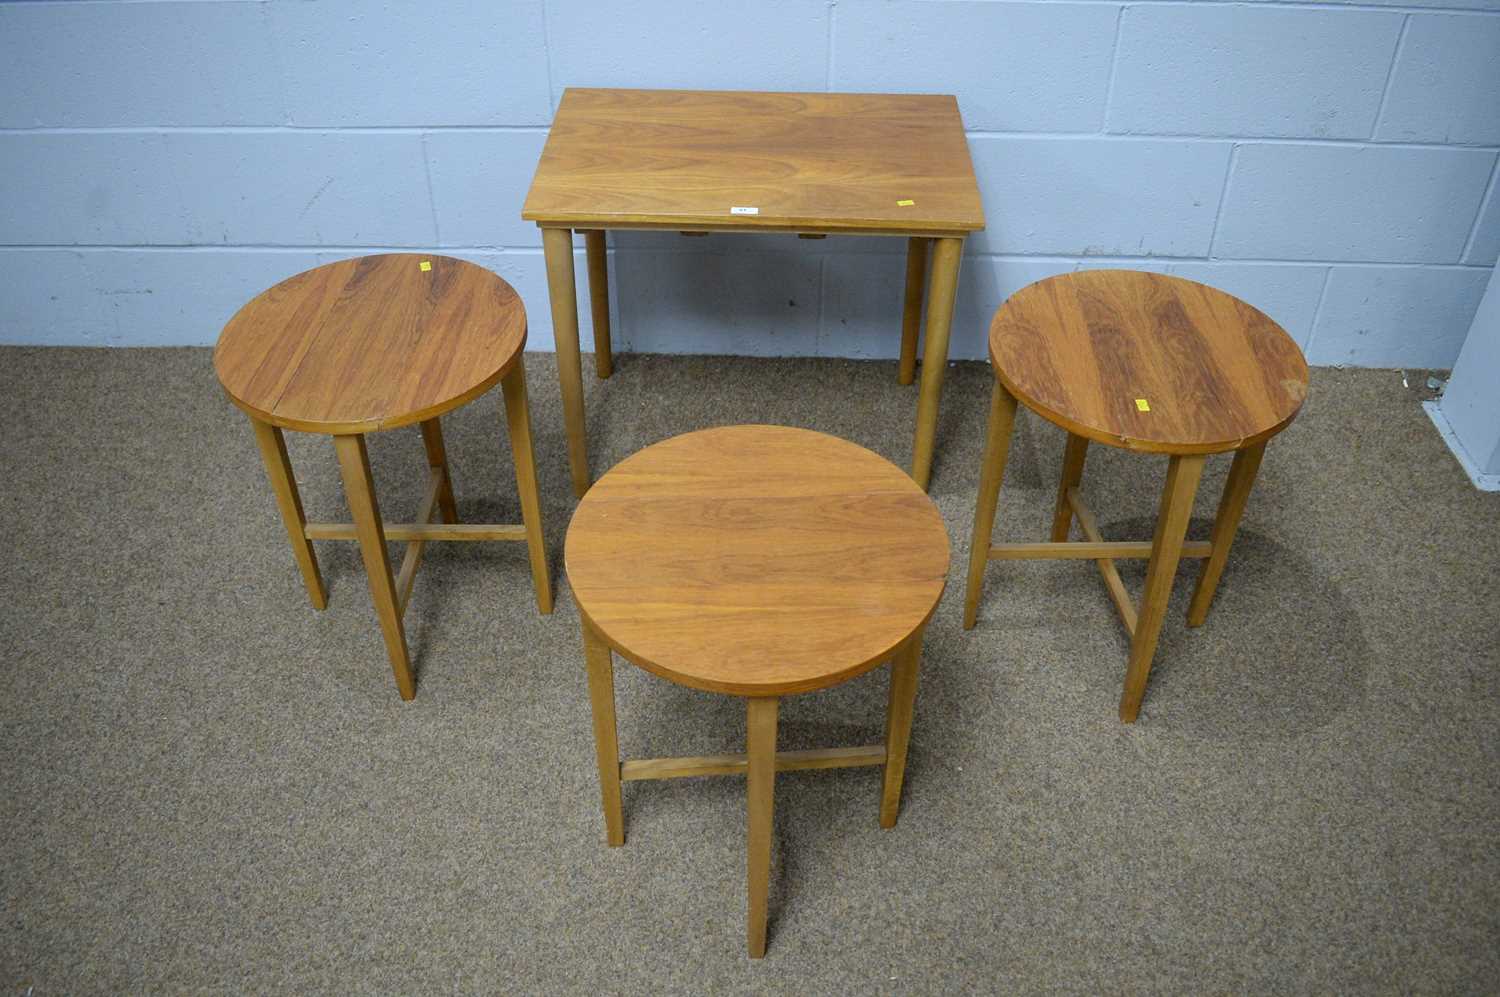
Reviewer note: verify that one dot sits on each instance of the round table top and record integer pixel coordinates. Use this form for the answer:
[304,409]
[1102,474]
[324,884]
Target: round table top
[371,343]
[1147,362]
[756,560]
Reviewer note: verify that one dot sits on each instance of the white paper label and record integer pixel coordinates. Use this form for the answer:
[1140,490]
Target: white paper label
[744,211]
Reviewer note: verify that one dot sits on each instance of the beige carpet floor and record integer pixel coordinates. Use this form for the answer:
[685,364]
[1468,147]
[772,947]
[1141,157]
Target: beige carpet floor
[206,786]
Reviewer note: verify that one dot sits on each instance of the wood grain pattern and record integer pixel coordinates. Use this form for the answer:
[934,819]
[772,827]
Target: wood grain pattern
[437,459]
[901,703]
[756,560]
[359,489]
[421,531]
[518,422]
[1074,455]
[598,260]
[991,474]
[806,161]
[1231,506]
[371,343]
[760,807]
[693,766]
[1183,473]
[946,258]
[1081,348]
[407,576]
[1107,570]
[911,309]
[557,248]
[1087,550]
[284,484]
[601,679]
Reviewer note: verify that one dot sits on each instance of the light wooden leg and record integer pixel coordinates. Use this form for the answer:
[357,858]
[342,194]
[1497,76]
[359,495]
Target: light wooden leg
[1166,547]
[601,669]
[992,472]
[935,354]
[359,487]
[518,419]
[279,469]
[898,715]
[1072,474]
[557,244]
[1231,506]
[911,313]
[437,459]
[760,747]
[604,360]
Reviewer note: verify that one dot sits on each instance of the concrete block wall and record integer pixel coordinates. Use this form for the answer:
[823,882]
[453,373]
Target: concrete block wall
[1332,162]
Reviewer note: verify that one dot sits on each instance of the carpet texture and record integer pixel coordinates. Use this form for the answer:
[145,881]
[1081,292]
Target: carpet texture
[207,786]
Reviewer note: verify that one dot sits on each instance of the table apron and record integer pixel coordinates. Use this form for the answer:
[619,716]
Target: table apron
[601,224]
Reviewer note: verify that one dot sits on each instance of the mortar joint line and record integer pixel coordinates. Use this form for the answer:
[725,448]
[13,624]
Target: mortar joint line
[1484,204]
[84,249]
[1114,69]
[1390,76]
[547,49]
[437,233]
[1213,234]
[828,47]
[1312,330]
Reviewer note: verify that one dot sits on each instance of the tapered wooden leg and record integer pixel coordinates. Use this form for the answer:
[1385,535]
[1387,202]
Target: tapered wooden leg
[992,472]
[604,360]
[518,419]
[760,747]
[437,459]
[898,715]
[557,244]
[279,469]
[935,354]
[1072,474]
[911,313]
[601,671]
[359,488]
[1166,547]
[1231,506]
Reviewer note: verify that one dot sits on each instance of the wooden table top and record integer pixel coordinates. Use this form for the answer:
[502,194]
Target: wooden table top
[1148,362]
[756,560]
[803,161]
[371,343]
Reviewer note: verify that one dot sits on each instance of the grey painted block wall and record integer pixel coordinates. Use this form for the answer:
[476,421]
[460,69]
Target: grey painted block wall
[1332,162]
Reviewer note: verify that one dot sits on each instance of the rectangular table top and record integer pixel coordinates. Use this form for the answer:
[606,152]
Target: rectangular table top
[806,162]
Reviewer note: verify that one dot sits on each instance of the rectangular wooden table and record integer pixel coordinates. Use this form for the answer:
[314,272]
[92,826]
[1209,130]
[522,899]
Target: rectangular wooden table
[811,163]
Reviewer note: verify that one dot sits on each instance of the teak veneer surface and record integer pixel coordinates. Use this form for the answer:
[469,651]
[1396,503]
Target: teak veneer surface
[813,161]
[371,343]
[1215,373]
[756,560]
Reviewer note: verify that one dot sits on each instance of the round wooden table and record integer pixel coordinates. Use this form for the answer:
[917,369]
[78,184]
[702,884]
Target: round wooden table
[757,561]
[1144,362]
[375,343]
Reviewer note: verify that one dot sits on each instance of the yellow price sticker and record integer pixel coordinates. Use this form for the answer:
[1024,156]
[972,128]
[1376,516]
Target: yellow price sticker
[1142,405]
[905,203]
[424,266]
